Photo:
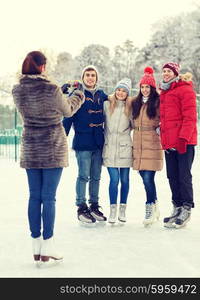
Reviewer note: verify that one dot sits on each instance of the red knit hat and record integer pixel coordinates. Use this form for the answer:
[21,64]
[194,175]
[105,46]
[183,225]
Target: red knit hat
[148,77]
[172,66]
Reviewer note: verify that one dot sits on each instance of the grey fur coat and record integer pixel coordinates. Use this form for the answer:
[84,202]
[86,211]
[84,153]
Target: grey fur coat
[42,106]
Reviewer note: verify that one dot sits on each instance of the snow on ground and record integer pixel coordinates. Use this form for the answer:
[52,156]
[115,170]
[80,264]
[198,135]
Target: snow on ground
[128,250]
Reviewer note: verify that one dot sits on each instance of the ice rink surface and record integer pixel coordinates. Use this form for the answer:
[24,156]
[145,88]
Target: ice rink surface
[128,250]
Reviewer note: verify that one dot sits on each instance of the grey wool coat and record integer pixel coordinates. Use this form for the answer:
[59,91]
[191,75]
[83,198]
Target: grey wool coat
[118,148]
[42,106]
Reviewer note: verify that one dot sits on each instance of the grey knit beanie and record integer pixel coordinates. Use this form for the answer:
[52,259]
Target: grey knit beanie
[124,83]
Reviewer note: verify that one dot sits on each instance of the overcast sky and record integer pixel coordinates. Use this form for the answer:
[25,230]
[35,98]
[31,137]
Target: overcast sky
[64,25]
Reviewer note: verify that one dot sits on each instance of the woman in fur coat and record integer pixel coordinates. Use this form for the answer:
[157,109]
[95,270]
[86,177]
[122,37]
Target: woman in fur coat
[178,116]
[117,151]
[42,106]
[147,150]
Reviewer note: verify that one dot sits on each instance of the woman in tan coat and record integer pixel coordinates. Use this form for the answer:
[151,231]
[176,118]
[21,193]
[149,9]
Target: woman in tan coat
[147,150]
[117,151]
[42,106]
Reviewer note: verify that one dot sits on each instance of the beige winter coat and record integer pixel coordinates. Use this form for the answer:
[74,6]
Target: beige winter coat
[117,150]
[42,106]
[147,150]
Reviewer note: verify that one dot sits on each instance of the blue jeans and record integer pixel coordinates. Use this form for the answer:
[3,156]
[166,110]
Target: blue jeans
[149,184]
[117,174]
[89,170]
[43,184]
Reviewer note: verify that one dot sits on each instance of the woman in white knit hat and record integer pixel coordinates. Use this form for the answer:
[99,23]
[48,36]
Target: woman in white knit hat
[117,151]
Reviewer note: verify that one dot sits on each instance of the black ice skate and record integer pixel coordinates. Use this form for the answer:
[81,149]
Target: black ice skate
[96,213]
[84,215]
[169,221]
[183,217]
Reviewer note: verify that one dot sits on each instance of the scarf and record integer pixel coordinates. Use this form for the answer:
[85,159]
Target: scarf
[145,99]
[92,91]
[166,85]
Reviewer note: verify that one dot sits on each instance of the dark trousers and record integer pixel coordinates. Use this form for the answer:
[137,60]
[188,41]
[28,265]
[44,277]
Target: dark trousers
[179,175]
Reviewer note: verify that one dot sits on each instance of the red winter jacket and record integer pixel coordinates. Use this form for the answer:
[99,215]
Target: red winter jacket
[178,114]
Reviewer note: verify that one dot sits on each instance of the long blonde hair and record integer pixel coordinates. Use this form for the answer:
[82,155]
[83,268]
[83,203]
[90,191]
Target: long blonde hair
[113,102]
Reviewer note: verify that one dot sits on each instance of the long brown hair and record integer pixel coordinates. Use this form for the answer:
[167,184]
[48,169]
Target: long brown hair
[32,62]
[152,104]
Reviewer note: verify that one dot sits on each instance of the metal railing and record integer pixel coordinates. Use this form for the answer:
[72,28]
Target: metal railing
[10,140]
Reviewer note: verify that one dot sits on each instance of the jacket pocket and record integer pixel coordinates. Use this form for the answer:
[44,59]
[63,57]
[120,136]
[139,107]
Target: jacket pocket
[125,150]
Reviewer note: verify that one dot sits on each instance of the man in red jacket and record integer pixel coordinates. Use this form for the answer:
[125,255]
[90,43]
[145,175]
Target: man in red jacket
[178,117]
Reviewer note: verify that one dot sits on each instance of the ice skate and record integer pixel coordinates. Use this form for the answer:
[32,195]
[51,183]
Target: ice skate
[96,213]
[113,214]
[122,213]
[84,215]
[184,217]
[169,222]
[36,246]
[150,216]
[49,255]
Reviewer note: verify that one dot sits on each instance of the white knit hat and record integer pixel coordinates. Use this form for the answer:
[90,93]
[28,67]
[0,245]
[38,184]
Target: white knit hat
[125,83]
